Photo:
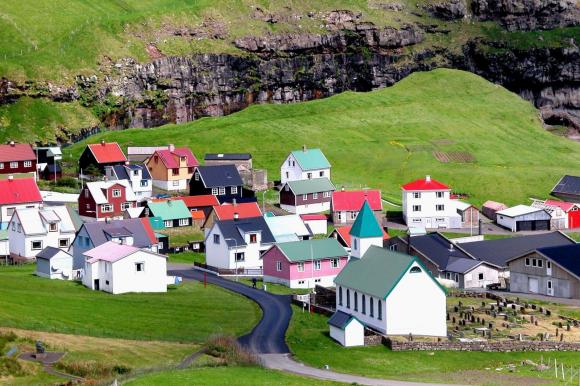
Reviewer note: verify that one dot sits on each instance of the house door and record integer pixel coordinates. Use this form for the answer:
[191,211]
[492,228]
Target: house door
[550,288]
[428,223]
[574,218]
[97,286]
[549,268]
[533,285]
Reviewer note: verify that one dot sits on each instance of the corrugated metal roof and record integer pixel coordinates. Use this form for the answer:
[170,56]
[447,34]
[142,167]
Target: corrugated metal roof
[107,152]
[568,185]
[17,152]
[341,319]
[19,190]
[283,227]
[315,249]
[311,159]
[314,185]
[169,210]
[352,200]
[518,210]
[568,256]
[215,176]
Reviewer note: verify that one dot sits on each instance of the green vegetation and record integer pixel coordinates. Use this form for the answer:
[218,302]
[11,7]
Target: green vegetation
[182,235]
[388,137]
[187,257]
[242,376]
[29,120]
[184,313]
[574,235]
[277,289]
[310,342]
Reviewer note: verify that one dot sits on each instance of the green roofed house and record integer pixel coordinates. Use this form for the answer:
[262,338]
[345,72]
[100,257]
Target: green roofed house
[306,196]
[305,263]
[173,213]
[304,164]
[365,231]
[392,293]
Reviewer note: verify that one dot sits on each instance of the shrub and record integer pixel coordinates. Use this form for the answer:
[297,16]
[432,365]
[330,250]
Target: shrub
[92,369]
[10,367]
[229,350]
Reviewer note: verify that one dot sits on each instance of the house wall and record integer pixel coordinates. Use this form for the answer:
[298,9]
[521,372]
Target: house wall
[291,171]
[416,299]
[127,279]
[7,210]
[359,248]
[490,275]
[80,245]
[470,217]
[59,267]
[6,168]
[142,192]
[366,318]
[564,284]
[511,222]
[4,248]
[428,216]
[174,185]
[354,334]
[21,244]
[216,255]
[197,188]
[338,335]
[88,207]
[222,256]
[297,205]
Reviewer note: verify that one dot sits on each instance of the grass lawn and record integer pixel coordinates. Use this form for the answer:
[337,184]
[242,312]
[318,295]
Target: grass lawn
[401,126]
[187,257]
[186,313]
[182,235]
[574,235]
[249,376]
[277,289]
[309,341]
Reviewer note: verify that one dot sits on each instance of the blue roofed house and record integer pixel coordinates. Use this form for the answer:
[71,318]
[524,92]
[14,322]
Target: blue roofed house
[551,271]
[304,164]
[238,243]
[137,175]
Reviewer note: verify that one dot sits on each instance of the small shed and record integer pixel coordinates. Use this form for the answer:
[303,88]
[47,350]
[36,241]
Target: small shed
[469,213]
[4,246]
[54,263]
[490,208]
[346,329]
[524,218]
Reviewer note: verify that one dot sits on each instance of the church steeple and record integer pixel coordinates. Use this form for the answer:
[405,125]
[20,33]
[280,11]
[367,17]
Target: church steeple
[365,231]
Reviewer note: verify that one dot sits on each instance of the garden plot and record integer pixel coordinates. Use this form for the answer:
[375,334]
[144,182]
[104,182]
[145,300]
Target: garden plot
[454,156]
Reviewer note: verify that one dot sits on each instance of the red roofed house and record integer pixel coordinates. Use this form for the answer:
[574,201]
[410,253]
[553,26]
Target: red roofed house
[571,212]
[172,169]
[427,203]
[346,204]
[342,234]
[17,193]
[99,155]
[231,211]
[17,158]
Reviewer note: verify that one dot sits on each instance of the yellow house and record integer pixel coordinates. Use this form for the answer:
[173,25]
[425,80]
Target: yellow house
[172,169]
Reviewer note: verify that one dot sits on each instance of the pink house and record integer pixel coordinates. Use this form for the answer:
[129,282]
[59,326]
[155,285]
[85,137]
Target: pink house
[304,264]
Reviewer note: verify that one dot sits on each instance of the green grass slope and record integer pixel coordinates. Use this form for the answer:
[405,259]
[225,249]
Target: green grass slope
[187,313]
[387,137]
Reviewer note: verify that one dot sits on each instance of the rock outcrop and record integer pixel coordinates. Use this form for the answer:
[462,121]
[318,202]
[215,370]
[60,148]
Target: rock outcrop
[447,10]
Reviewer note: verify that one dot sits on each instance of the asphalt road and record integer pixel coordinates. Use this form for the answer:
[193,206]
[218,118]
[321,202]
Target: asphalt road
[268,337]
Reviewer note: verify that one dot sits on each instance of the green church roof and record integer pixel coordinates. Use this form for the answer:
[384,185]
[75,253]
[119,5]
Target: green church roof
[366,224]
[311,159]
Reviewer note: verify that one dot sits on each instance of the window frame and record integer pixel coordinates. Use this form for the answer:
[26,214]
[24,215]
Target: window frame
[116,193]
[14,165]
[216,239]
[279,266]
[60,243]
[32,247]
[300,267]
[27,164]
[140,264]
[221,191]
[234,190]
[317,265]
[416,208]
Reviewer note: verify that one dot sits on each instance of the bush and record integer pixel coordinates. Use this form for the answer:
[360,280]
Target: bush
[229,350]
[6,338]
[11,367]
[92,369]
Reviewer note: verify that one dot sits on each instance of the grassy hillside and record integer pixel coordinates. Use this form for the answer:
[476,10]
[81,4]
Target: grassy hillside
[387,137]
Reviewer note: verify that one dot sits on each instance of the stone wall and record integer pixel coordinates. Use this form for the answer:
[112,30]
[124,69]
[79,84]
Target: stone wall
[487,346]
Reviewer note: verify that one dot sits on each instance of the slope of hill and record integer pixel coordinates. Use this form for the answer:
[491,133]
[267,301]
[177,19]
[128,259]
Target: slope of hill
[476,136]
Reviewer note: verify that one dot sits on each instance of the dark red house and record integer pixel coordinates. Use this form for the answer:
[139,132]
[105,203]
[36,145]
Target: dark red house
[99,155]
[106,199]
[17,158]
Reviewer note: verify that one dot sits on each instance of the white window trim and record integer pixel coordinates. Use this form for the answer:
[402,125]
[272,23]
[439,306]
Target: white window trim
[168,223]
[27,164]
[222,191]
[300,267]
[317,265]
[279,266]
[214,191]
[116,193]
[183,222]
[234,190]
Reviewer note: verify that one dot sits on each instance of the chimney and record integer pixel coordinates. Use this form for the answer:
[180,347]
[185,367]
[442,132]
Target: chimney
[126,163]
[236,216]
[10,178]
[171,147]
[342,189]
[12,143]
[451,249]
[102,142]
[428,178]
[304,148]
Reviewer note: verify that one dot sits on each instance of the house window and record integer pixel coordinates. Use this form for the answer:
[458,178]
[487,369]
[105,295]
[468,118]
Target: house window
[13,165]
[321,174]
[253,238]
[63,243]
[135,172]
[304,197]
[355,301]
[189,170]
[371,307]
[106,208]
[183,222]
[234,190]
[317,265]
[540,263]
[340,296]
[125,205]
[480,276]
[527,261]
[309,175]
[393,247]
[315,195]
[334,263]
[289,163]
[175,183]
[27,164]
[86,193]
[287,175]
[326,194]
[456,278]
[549,284]
[416,195]
[13,226]
[439,208]
[439,194]
[279,266]
[168,223]
[216,239]
[416,208]
[353,215]
[380,310]
[52,227]
[88,206]
[347,298]
[144,183]
[240,256]
[214,191]
[534,263]
[548,264]
[415,270]
[37,245]
[293,163]
[116,192]
[355,243]
[222,191]
[364,304]
[140,267]
[175,172]
[317,280]
[196,176]
[300,267]
[1,165]
[287,188]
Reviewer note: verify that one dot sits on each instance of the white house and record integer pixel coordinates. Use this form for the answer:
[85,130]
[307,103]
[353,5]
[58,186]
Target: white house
[346,329]
[427,203]
[31,230]
[237,243]
[524,218]
[317,223]
[303,165]
[117,269]
[137,175]
[392,293]
[54,263]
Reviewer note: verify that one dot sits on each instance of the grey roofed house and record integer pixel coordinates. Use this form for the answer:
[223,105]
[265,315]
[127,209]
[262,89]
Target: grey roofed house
[101,231]
[233,229]
[48,253]
[219,175]
[227,156]
[121,171]
[499,251]
[340,319]
[568,188]
[567,256]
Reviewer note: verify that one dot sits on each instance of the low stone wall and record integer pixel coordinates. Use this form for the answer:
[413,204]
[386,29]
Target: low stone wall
[374,340]
[490,346]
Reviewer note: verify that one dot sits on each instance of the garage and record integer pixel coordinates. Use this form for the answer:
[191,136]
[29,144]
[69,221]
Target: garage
[533,285]
[524,218]
[536,225]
